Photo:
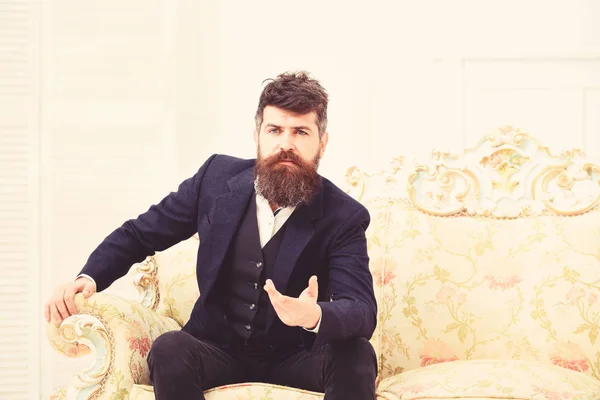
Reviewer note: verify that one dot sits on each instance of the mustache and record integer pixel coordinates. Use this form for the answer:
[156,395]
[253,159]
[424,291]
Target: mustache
[284,155]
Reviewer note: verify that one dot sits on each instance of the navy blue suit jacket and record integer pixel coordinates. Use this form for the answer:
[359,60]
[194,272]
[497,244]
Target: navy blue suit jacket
[324,238]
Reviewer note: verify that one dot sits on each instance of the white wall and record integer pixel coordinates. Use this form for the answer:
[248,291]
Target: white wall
[135,95]
[19,193]
[405,76]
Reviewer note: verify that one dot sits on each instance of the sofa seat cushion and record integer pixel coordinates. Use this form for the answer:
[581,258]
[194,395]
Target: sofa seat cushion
[239,391]
[490,379]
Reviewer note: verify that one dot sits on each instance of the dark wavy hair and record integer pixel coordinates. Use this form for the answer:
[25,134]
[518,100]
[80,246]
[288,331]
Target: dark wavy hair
[296,92]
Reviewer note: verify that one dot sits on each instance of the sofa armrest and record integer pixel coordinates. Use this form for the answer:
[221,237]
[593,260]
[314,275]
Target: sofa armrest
[119,334]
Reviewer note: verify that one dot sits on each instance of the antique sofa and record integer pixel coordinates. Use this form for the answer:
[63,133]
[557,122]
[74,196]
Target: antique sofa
[487,273]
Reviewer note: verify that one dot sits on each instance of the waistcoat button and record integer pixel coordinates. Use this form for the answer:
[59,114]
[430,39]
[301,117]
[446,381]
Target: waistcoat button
[258,264]
[247,326]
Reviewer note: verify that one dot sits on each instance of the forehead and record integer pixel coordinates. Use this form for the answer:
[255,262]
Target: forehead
[284,118]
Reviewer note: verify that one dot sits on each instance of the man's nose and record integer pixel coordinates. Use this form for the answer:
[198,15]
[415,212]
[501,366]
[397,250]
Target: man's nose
[287,141]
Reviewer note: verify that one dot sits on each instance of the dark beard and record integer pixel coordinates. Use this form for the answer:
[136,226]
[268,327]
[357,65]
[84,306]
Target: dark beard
[286,185]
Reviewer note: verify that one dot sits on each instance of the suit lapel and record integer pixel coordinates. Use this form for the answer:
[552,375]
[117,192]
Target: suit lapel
[228,211]
[299,230]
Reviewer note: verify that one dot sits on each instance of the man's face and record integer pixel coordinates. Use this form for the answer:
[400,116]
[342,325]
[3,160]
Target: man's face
[283,130]
[289,149]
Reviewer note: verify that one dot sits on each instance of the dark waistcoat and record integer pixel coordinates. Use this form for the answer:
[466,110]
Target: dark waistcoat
[244,272]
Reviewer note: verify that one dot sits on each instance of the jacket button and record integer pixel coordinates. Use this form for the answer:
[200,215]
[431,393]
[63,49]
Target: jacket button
[247,326]
[252,306]
[258,264]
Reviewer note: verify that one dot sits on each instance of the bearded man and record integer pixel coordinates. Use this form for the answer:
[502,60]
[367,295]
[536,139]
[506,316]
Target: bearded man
[286,296]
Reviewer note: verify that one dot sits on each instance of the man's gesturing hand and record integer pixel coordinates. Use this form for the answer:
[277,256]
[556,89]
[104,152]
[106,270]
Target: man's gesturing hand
[302,311]
[62,305]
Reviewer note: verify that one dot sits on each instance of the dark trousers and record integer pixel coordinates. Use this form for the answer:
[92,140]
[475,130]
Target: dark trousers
[182,367]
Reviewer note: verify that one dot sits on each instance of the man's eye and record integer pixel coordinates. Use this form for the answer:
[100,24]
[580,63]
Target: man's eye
[273,130]
[302,133]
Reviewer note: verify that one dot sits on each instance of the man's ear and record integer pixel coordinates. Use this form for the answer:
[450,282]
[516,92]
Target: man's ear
[324,140]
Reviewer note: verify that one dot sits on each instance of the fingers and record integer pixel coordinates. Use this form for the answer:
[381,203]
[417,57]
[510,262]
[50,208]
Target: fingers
[85,286]
[62,304]
[62,308]
[69,299]
[54,314]
[278,301]
[270,288]
[274,295]
[313,286]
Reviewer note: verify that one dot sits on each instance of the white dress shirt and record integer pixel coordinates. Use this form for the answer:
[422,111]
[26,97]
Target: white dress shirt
[269,223]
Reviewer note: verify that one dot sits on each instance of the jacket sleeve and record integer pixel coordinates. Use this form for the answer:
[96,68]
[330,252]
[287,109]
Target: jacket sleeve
[352,311]
[164,224]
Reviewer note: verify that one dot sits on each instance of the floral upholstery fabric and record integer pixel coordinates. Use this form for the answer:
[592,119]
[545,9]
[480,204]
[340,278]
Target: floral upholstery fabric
[177,284]
[490,379]
[463,288]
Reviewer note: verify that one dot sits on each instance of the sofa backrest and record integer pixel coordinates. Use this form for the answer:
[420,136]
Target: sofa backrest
[492,253]
[166,282]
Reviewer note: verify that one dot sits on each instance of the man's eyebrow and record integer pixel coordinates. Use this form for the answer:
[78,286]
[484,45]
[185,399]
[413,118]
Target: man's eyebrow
[298,128]
[302,128]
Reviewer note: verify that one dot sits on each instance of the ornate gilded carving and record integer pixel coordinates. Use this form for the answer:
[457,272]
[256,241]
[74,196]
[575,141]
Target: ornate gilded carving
[146,282]
[88,330]
[357,179]
[506,175]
